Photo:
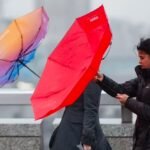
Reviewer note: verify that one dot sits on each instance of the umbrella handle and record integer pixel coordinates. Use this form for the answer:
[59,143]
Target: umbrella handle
[107,52]
[29,68]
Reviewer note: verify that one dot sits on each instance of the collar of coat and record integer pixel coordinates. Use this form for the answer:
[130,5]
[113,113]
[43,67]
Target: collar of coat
[145,73]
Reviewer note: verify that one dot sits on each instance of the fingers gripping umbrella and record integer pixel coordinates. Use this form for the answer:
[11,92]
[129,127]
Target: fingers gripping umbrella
[19,42]
[72,64]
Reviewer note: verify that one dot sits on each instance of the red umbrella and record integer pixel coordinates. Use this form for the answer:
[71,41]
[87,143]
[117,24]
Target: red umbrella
[72,64]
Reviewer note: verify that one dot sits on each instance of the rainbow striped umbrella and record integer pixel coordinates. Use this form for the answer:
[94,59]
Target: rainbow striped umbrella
[19,42]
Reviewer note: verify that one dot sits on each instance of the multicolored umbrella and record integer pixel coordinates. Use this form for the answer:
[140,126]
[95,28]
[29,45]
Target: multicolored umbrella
[19,42]
[72,64]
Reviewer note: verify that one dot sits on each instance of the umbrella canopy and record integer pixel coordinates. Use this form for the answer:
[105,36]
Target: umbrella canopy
[19,42]
[72,64]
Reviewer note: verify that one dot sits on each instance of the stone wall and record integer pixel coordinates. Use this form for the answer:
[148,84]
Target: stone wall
[119,136]
[26,134]
[20,134]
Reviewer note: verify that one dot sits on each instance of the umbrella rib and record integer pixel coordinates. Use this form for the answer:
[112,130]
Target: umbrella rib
[67,66]
[18,69]
[21,51]
[11,72]
[20,36]
[35,35]
[107,52]
[24,53]
[7,60]
[27,53]
[24,60]
[29,68]
[9,69]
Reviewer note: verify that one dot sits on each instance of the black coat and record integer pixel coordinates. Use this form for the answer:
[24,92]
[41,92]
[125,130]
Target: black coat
[80,124]
[138,88]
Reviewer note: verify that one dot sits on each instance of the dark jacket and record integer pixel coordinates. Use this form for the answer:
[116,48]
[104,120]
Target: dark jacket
[138,88]
[80,124]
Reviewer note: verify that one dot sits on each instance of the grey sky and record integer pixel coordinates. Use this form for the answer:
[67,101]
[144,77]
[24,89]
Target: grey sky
[136,11]
[10,10]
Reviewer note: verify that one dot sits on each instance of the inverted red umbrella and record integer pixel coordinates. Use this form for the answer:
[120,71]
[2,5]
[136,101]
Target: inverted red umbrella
[72,64]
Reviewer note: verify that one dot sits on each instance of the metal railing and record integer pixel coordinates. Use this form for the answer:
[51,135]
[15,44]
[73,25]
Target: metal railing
[16,97]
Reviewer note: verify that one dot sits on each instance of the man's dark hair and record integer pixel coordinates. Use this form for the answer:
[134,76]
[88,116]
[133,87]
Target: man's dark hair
[144,45]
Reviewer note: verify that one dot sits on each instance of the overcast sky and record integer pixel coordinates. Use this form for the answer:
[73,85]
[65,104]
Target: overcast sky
[137,11]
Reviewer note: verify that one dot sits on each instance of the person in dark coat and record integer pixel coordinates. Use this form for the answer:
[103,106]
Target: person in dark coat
[135,95]
[79,128]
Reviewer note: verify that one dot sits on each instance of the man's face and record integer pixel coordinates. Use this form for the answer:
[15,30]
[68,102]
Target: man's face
[144,59]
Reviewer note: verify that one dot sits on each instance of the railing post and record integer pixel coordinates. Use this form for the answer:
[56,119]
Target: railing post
[126,115]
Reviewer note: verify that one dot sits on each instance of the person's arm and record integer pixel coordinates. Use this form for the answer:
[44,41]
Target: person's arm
[139,108]
[113,88]
[130,88]
[126,92]
[91,102]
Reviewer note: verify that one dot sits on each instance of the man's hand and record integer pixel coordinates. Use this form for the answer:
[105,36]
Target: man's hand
[122,98]
[87,147]
[99,77]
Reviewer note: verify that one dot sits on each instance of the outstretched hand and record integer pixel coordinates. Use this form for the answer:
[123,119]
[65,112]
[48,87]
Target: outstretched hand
[87,147]
[99,77]
[122,98]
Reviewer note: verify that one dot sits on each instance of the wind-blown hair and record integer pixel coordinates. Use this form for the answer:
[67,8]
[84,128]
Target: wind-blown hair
[144,45]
